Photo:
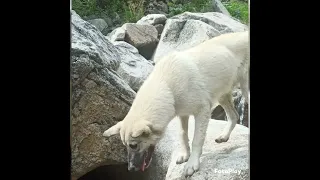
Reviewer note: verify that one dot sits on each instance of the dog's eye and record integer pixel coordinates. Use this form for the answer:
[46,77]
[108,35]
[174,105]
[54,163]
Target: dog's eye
[133,146]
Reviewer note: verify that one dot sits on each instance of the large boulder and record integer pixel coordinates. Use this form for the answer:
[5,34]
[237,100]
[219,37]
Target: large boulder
[117,34]
[143,37]
[134,68]
[99,99]
[159,28]
[101,24]
[152,19]
[223,161]
[157,7]
[190,29]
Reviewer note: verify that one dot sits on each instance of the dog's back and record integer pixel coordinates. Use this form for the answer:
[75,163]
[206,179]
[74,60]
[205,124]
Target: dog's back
[223,61]
[237,43]
[206,71]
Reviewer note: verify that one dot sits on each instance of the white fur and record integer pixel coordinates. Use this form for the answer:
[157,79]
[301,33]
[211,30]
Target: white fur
[191,82]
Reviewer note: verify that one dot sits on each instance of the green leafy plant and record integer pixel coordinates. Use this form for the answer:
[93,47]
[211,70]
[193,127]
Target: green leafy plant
[128,10]
[238,9]
[85,7]
[134,10]
[192,6]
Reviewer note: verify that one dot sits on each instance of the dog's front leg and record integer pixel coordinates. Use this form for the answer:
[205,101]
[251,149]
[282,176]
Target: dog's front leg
[184,152]
[201,124]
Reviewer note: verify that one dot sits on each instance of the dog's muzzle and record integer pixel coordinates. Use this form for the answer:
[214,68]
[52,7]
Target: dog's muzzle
[140,161]
[132,167]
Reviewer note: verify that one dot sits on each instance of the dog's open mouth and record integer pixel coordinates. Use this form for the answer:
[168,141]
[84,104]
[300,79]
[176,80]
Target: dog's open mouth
[147,158]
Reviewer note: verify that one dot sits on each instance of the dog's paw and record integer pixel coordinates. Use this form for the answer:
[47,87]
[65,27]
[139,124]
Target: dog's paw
[221,139]
[183,156]
[191,167]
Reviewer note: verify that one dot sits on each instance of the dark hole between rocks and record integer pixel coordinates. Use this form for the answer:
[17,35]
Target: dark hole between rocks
[114,172]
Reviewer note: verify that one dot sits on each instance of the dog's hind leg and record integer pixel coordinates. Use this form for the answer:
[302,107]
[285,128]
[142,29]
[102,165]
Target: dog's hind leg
[232,116]
[201,124]
[184,152]
[244,86]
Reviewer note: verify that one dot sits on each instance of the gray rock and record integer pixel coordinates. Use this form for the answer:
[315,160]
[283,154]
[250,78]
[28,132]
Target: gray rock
[179,35]
[105,17]
[117,34]
[222,161]
[155,11]
[153,19]
[219,21]
[90,17]
[159,28]
[134,68]
[108,21]
[127,46]
[189,29]
[143,37]
[160,5]
[157,7]
[219,7]
[106,31]
[99,99]
[99,23]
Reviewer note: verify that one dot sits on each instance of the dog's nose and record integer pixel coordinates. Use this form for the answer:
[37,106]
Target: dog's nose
[131,167]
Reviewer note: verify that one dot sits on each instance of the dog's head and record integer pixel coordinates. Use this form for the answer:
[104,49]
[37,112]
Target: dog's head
[140,139]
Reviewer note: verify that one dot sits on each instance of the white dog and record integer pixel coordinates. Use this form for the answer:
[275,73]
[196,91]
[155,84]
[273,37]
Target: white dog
[189,82]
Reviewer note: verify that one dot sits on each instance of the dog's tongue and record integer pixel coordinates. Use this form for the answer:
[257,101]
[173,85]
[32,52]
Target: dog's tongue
[143,165]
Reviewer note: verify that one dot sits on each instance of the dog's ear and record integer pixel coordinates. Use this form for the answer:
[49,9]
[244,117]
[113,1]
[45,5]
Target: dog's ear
[141,129]
[115,129]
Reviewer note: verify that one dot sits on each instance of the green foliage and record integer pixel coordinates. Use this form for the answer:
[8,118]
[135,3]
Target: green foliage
[128,10]
[192,6]
[85,7]
[238,9]
[133,10]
